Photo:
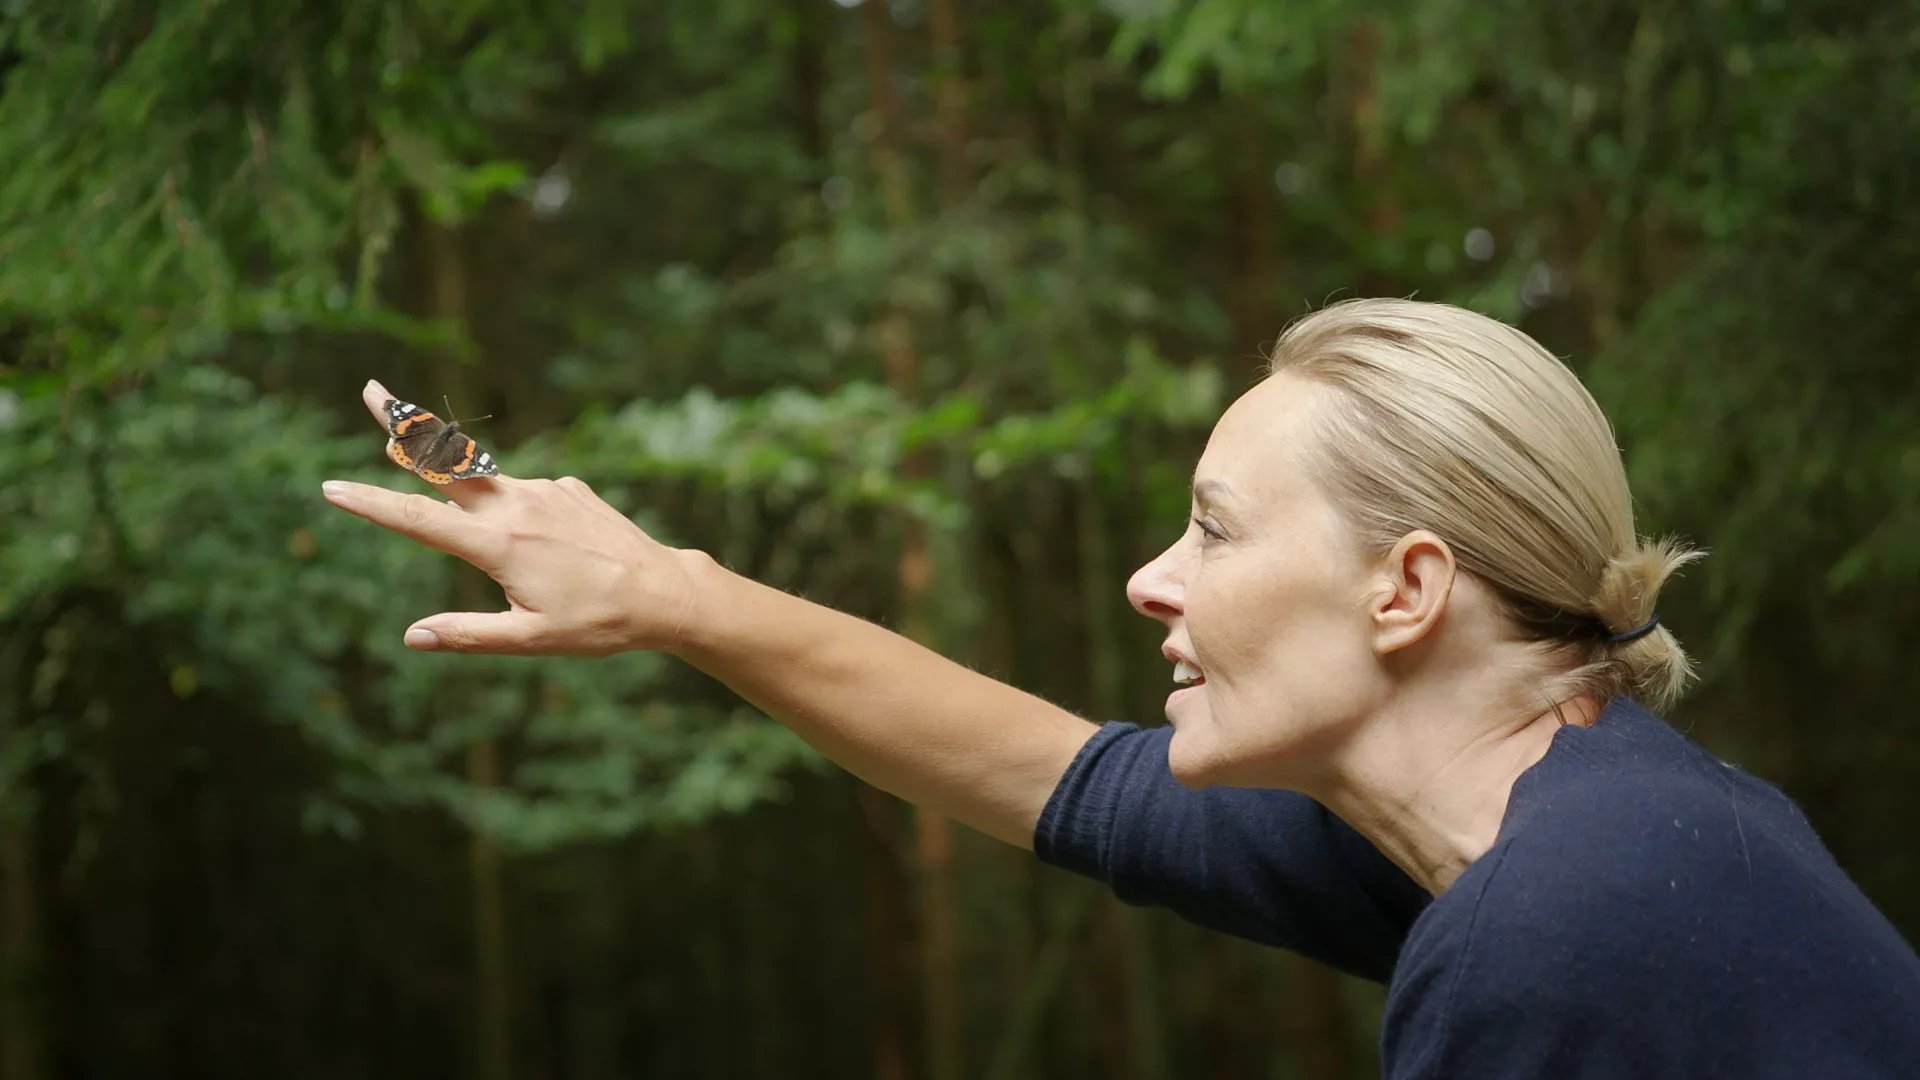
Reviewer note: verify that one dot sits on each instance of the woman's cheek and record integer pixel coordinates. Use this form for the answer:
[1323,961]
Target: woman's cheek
[1217,606]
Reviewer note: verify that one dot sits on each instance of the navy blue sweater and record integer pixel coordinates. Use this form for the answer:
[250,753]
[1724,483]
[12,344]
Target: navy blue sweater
[1647,911]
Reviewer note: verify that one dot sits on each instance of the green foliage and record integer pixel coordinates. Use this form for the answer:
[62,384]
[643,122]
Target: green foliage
[181,173]
[849,448]
[192,504]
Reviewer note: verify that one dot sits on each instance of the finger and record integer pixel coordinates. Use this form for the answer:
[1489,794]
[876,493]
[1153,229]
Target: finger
[510,633]
[474,493]
[418,516]
[375,398]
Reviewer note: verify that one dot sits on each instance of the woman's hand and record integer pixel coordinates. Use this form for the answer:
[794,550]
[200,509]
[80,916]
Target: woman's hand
[580,578]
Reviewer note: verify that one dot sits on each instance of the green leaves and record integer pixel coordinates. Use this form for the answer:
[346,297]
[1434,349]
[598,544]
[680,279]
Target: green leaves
[1248,46]
[849,447]
[190,507]
[180,174]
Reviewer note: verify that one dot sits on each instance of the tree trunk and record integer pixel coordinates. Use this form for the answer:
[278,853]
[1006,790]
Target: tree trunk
[939,917]
[949,99]
[492,981]
[1256,265]
[1369,150]
[886,935]
[23,985]
[22,1050]
[806,79]
[448,299]
[933,833]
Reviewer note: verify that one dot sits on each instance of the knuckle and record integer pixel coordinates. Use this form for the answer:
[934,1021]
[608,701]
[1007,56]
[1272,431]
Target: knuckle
[416,510]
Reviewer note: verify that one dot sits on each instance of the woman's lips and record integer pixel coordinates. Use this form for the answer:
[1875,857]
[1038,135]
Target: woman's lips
[1184,693]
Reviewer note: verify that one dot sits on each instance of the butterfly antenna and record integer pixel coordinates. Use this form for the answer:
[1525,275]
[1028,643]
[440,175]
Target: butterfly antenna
[468,420]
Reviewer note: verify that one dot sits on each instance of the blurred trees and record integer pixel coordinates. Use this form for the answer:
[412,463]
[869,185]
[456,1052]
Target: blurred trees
[920,310]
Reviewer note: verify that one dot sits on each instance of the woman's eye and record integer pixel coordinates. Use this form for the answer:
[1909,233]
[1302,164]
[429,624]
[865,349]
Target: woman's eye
[1208,530]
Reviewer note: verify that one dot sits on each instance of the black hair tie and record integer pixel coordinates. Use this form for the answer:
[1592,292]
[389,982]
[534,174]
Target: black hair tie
[1637,632]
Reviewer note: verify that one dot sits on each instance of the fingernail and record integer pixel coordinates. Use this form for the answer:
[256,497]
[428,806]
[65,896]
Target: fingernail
[418,638]
[335,489]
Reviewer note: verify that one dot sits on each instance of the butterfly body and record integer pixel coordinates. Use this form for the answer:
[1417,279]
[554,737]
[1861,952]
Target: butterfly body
[434,448]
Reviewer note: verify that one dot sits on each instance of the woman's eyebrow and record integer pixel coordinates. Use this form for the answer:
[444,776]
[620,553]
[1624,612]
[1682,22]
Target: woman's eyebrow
[1211,491]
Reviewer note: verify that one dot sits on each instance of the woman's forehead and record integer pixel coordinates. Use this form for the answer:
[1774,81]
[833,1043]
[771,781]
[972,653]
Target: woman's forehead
[1252,451]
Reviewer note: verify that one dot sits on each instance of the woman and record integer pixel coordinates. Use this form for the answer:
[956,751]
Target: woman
[1416,641]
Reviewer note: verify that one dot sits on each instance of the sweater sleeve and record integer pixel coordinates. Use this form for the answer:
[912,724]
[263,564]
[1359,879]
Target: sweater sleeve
[1271,866]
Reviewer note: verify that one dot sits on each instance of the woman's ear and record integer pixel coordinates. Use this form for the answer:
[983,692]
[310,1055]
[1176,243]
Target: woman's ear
[1416,582]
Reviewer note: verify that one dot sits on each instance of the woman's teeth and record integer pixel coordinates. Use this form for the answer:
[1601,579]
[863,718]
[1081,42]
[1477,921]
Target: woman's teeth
[1186,674]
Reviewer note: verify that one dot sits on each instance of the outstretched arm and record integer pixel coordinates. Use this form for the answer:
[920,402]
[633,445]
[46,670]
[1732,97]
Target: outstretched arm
[582,579]
[895,714]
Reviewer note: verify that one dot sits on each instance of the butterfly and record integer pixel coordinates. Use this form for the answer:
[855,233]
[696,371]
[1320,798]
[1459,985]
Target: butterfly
[433,447]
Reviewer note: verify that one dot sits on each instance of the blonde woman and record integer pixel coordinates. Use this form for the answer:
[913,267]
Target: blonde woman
[1418,650]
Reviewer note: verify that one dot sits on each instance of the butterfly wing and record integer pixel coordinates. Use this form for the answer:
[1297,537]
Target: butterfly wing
[469,460]
[431,447]
[414,431]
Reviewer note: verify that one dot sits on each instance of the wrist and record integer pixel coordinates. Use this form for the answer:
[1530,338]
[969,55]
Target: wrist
[688,605]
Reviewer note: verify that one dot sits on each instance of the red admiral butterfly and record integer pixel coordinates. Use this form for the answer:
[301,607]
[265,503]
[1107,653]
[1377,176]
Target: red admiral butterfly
[433,447]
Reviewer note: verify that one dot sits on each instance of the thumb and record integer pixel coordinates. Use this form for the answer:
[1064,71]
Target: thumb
[501,632]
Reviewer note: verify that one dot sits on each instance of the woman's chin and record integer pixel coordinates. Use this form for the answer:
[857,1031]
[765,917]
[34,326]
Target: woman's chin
[1191,755]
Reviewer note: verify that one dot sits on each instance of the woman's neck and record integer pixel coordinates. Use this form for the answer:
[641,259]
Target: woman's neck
[1428,783]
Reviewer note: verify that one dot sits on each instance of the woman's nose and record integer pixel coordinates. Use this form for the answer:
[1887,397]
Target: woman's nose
[1155,590]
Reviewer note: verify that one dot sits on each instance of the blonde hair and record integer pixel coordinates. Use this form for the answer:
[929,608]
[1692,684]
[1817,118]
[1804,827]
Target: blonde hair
[1453,422]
